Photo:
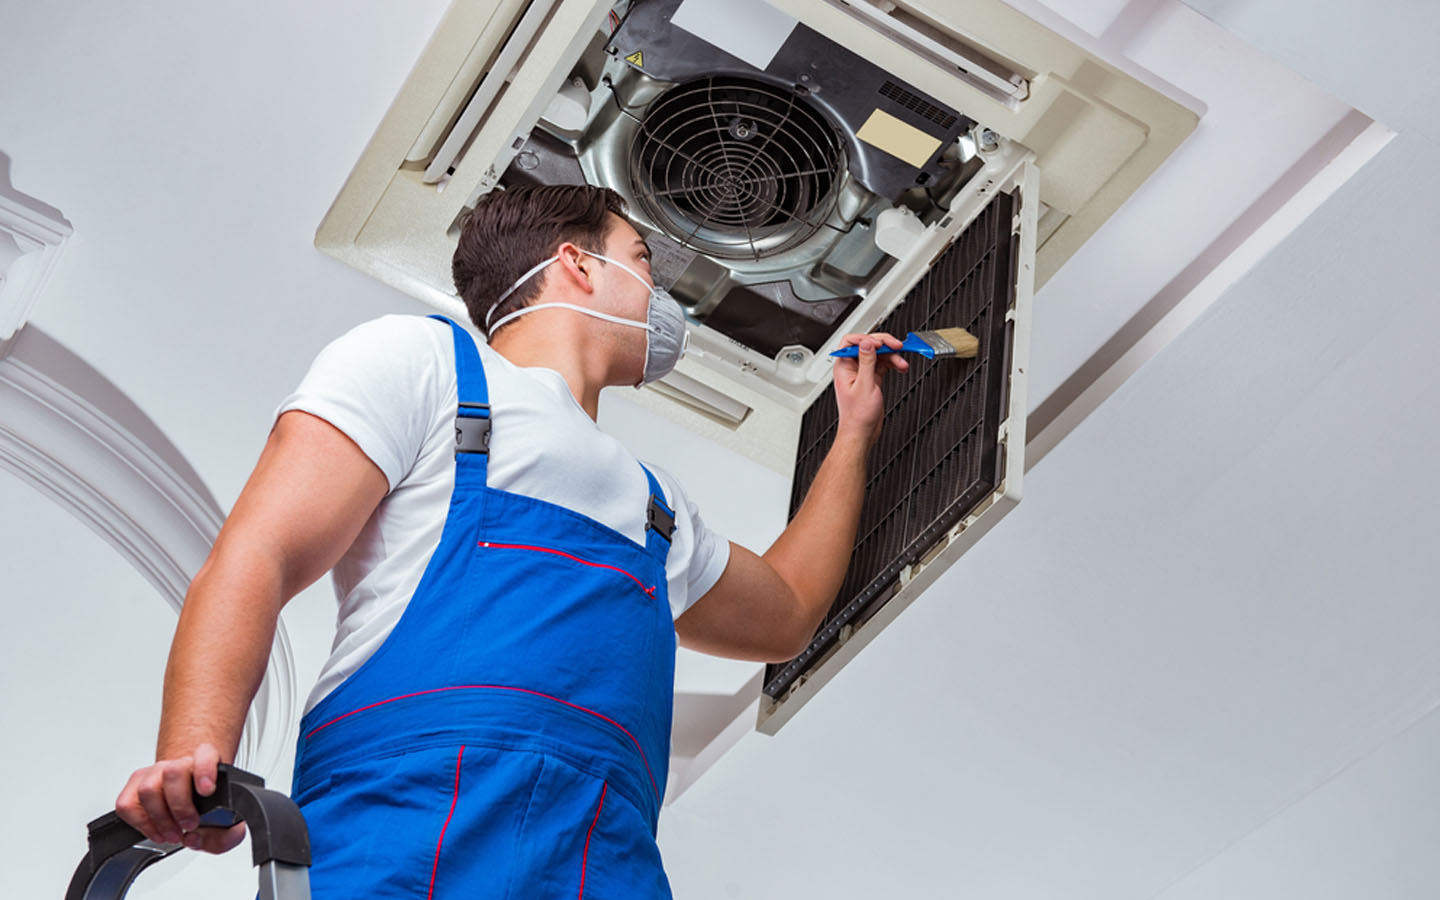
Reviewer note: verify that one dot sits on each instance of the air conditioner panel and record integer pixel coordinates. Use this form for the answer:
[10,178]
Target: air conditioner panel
[1087,141]
[937,457]
[950,460]
[468,70]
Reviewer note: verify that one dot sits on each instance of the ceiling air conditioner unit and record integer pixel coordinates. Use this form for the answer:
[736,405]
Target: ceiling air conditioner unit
[801,169]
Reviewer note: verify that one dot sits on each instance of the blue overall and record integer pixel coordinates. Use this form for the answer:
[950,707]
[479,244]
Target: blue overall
[510,738]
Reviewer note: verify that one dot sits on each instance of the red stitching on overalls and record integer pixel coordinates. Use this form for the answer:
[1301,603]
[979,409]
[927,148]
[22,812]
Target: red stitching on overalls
[502,687]
[440,843]
[640,584]
[584,860]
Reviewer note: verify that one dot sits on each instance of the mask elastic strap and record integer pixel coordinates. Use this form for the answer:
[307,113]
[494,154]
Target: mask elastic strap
[589,312]
[489,329]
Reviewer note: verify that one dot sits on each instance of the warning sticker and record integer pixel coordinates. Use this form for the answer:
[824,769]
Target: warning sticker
[636,59]
[898,138]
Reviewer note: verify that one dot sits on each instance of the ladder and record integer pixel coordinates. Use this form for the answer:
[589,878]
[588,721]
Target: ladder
[278,839]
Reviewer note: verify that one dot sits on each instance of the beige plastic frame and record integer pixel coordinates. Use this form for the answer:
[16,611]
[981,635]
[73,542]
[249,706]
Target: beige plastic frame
[1096,130]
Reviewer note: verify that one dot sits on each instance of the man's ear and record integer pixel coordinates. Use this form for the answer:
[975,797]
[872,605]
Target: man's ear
[578,266]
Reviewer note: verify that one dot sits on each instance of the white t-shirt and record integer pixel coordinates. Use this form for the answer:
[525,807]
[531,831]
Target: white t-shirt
[390,385]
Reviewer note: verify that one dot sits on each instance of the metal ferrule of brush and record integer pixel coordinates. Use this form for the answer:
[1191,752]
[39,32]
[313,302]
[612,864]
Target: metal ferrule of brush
[936,345]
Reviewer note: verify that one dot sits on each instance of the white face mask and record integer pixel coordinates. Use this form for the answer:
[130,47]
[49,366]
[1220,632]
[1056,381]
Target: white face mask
[666,336]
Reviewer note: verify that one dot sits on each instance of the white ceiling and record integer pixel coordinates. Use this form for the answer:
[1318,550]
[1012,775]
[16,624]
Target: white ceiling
[1199,660]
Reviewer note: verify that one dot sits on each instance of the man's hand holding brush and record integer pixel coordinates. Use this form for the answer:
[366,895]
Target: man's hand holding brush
[857,382]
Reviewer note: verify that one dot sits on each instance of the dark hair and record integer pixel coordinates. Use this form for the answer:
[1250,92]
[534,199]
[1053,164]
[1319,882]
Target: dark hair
[511,230]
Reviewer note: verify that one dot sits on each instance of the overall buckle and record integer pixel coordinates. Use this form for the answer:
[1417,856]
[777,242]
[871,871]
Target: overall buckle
[659,519]
[472,430]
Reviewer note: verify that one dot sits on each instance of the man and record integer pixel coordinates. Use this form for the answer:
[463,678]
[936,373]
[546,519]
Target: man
[494,718]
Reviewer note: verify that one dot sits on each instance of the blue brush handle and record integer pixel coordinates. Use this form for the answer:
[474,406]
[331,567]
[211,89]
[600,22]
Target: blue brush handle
[911,344]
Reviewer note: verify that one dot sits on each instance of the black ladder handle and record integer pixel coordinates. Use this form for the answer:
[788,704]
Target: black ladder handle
[119,852]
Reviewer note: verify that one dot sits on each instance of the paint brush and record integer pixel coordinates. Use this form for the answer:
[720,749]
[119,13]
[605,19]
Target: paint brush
[943,342]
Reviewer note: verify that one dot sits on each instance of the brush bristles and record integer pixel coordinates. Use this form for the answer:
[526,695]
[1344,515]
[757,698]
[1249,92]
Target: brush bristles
[951,342]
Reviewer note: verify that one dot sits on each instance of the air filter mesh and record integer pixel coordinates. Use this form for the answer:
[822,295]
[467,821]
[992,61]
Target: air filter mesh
[937,457]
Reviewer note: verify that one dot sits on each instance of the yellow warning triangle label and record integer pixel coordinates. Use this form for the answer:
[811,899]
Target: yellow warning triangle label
[636,59]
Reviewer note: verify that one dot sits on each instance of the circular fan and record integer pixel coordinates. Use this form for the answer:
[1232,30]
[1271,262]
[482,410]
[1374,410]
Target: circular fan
[736,168]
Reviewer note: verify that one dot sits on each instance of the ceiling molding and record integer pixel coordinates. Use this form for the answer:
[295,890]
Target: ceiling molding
[31,235]
[118,474]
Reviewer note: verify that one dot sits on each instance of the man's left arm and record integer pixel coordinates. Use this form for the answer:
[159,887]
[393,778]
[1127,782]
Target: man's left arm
[767,607]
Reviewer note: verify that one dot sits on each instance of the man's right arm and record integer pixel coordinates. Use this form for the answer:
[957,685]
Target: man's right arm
[312,491]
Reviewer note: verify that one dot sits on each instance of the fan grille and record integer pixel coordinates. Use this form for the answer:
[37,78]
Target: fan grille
[736,168]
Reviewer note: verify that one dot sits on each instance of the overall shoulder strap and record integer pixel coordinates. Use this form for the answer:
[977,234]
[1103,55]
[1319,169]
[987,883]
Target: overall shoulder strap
[472,417]
[659,519]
